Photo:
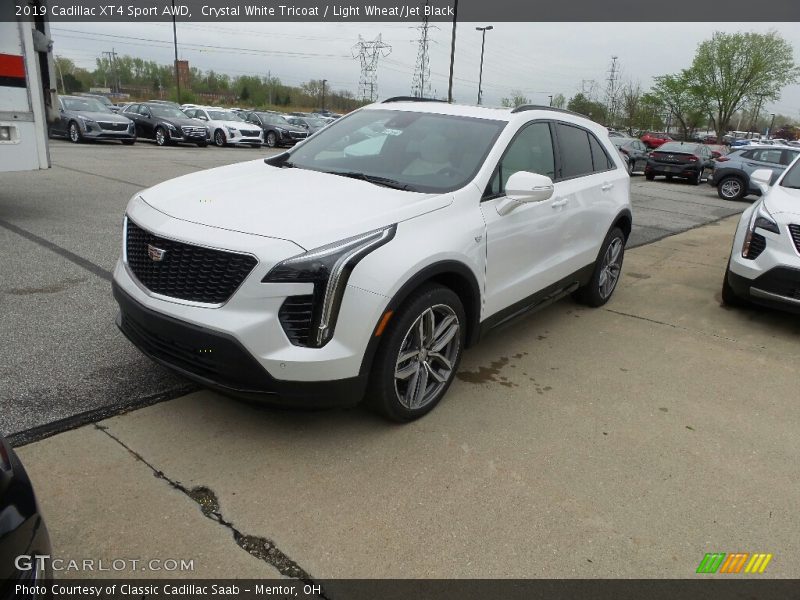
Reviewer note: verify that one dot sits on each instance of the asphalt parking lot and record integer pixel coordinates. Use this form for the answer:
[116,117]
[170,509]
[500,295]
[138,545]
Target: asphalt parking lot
[620,442]
[63,361]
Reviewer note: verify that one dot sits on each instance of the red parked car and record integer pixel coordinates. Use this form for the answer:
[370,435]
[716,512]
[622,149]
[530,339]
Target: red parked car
[653,139]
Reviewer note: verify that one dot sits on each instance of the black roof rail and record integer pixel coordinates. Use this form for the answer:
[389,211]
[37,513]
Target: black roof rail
[411,99]
[524,107]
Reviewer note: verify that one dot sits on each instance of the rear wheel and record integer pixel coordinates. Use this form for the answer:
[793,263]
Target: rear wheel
[607,271]
[630,167]
[698,179]
[731,188]
[419,356]
[669,177]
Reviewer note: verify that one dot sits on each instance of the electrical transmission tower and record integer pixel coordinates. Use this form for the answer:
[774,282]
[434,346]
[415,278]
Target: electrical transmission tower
[612,90]
[589,88]
[421,83]
[368,53]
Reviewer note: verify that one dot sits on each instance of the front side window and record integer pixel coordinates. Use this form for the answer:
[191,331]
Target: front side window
[792,177]
[416,151]
[532,151]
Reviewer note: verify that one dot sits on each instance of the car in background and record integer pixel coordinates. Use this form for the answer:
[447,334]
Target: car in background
[277,130]
[633,151]
[24,540]
[84,118]
[165,102]
[323,277]
[654,139]
[227,127]
[612,134]
[685,160]
[309,123]
[166,124]
[732,173]
[764,266]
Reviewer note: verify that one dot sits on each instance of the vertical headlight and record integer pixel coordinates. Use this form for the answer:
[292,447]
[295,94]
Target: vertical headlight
[328,268]
[760,219]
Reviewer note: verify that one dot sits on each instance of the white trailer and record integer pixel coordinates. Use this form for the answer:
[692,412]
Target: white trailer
[28,99]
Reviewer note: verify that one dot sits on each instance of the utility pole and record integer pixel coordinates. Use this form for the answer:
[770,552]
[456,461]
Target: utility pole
[175,42]
[112,64]
[483,31]
[771,125]
[452,53]
[551,99]
[324,81]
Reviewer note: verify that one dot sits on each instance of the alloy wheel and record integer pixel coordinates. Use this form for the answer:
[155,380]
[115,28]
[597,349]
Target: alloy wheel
[425,362]
[272,140]
[161,137]
[74,134]
[219,138]
[730,188]
[610,269]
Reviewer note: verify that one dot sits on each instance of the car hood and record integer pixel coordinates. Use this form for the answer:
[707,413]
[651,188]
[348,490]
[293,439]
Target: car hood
[105,117]
[783,200]
[232,124]
[306,207]
[179,122]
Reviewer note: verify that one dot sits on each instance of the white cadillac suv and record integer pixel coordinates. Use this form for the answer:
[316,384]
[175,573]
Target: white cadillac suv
[364,260]
[764,266]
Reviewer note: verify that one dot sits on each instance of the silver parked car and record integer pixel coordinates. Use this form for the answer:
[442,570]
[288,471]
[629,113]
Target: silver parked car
[731,174]
[83,118]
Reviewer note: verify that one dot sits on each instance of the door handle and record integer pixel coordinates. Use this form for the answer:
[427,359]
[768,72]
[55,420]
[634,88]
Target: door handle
[606,186]
[559,203]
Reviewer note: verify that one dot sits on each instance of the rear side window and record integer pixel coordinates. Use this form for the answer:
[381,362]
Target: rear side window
[767,156]
[581,152]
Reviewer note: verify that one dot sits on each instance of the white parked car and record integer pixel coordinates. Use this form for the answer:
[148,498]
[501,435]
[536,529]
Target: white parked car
[764,266]
[227,127]
[321,275]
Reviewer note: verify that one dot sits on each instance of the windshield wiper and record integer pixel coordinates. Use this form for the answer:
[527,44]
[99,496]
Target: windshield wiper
[375,179]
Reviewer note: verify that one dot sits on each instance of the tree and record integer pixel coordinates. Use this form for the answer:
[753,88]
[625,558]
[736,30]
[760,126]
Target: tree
[734,69]
[579,103]
[678,94]
[517,99]
[559,101]
[630,105]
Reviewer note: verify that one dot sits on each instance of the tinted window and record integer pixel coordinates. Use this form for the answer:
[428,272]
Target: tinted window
[599,156]
[531,150]
[789,156]
[576,154]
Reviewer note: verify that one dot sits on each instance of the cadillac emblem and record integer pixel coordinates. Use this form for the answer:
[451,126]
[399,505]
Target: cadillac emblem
[155,254]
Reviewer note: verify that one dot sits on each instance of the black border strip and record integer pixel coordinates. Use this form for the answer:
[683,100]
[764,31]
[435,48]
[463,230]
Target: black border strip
[16,82]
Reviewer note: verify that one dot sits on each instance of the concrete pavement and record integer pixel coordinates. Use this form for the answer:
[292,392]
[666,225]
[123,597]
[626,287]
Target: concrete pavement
[626,441]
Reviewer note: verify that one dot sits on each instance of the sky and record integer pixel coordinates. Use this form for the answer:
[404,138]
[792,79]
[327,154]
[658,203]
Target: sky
[539,59]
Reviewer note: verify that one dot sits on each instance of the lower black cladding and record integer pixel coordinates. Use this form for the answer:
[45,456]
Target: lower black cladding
[218,361]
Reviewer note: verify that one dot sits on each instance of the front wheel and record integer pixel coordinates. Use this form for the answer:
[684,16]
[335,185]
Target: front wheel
[419,356]
[272,139]
[219,138]
[607,271]
[75,133]
[161,136]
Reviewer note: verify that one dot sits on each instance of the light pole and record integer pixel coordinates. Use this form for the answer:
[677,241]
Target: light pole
[452,53]
[551,100]
[324,81]
[771,125]
[483,31]
[175,41]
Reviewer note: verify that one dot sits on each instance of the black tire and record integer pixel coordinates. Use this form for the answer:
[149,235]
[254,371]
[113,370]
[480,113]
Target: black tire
[74,134]
[402,336]
[729,297]
[649,176]
[731,188]
[599,291]
[271,140]
[698,179]
[219,139]
[669,177]
[162,139]
[202,144]
[129,142]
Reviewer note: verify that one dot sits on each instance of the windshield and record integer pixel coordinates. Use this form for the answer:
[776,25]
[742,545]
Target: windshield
[166,111]
[223,115]
[417,151]
[272,119]
[84,105]
[315,122]
[677,147]
[792,177]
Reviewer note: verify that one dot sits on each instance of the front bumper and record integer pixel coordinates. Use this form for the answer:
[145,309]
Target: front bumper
[93,132]
[778,288]
[218,361]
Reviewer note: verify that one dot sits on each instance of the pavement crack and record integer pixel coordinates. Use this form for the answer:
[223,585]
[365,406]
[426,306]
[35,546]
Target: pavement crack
[261,548]
[664,323]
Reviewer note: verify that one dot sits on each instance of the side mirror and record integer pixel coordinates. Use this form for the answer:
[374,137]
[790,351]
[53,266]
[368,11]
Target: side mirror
[762,178]
[523,187]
